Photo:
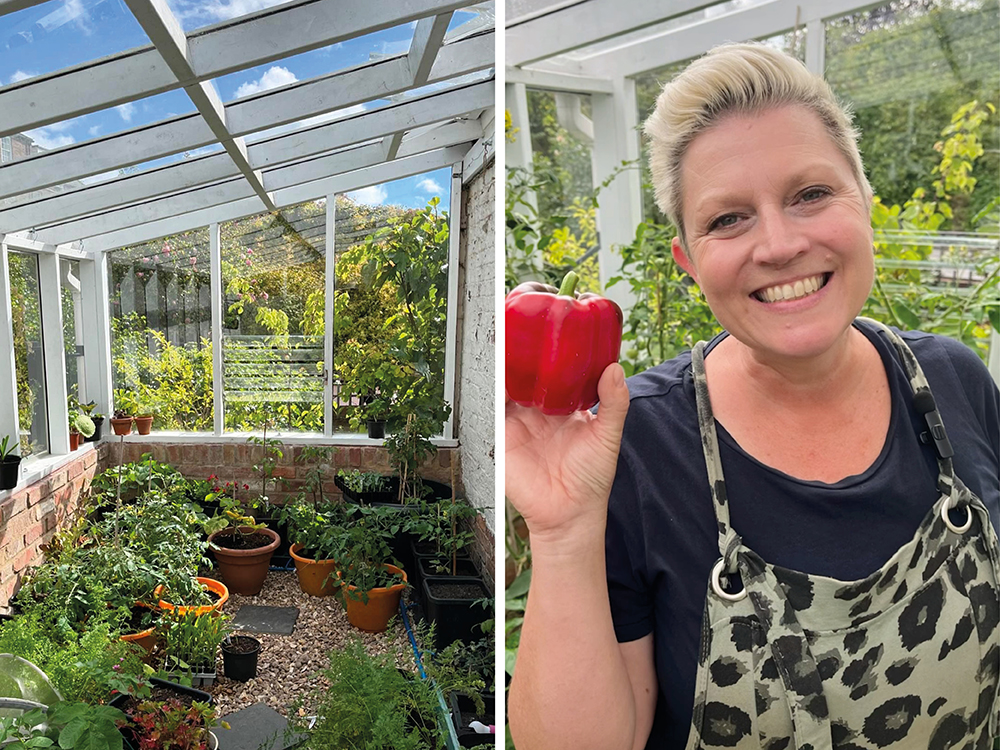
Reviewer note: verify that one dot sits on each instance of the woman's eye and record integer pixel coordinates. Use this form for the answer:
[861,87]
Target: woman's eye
[814,194]
[723,222]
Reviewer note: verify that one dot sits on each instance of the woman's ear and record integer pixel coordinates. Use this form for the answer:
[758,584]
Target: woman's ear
[682,259]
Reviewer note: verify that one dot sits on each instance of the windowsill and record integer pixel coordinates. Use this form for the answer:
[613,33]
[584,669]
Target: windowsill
[34,470]
[290,438]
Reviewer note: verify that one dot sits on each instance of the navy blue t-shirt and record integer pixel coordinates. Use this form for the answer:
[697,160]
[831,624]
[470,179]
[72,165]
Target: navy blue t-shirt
[662,539]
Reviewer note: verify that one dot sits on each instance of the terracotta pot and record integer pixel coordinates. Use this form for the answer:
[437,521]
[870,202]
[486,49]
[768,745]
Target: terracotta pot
[316,577]
[144,424]
[144,638]
[212,585]
[74,440]
[122,426]
[383,603]
[244,570]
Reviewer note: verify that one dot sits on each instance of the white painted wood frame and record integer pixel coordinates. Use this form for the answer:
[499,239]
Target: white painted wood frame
[329,321]
[9,424]
[451,322]
[97,348]
[218,372]
[54,352]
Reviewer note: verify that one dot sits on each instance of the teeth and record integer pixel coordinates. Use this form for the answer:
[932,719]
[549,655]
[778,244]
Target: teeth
[799,289]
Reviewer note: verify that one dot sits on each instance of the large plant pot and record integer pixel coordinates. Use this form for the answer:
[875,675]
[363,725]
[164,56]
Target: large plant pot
[376,428]
[388,495]
[144,424]
[316,577]
[143,638]
[98,430]
[463,712]
[449,603]
[10,472]
[122,425]
[373,616]
[241,665]
[212,585]
[281,558]
[422,553]
[243,570]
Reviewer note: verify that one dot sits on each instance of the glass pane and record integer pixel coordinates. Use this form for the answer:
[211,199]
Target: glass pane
[60,33]
[472,20]
[196,14]
[161,330]
[302,67]
[274,281]
[907,67]
[391,304]
[72,312]
[26,312]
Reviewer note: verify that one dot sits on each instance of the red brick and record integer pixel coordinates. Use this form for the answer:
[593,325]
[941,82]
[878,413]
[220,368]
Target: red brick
[35,531]
[228,454]
[283,472]
[25,559]
[174,456]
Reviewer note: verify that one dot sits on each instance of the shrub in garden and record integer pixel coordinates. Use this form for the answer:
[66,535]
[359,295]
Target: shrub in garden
[68,726]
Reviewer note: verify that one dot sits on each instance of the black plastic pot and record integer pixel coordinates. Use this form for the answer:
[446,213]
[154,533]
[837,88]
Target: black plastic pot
[376,428]
[240,666]
[456,616]
[420,553]
[131,742]
[463,711]
[98,429]
[390,495]
[10,472]
[280,558]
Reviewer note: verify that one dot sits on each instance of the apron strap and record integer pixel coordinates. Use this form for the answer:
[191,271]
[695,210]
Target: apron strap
[729,540]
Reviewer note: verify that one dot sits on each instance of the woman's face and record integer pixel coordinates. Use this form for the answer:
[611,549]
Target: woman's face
[779,236]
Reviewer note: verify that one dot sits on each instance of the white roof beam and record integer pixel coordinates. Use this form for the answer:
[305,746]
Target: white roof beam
[587,23]
[164,31]
[427,39]
[12,6]
[395,170]
[143,144]
[263,37]
[349,87]
[542,79]
[755,22]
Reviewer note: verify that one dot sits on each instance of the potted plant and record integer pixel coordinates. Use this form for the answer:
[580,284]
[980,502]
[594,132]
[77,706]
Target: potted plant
[191,643]
[215,592]
[97,418]
[79,425]
[173,718]
[144,411]
[372,586]
[317,533]
[242,550]
[239,656]
[365,486]
[63,725]
[124,414]
[10,464]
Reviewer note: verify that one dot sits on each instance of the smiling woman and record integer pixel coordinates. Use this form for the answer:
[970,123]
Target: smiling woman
[785,537]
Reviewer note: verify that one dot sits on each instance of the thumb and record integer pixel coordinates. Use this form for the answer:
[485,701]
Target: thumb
[614,400]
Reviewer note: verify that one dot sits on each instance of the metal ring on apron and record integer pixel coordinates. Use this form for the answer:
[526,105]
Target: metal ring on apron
[717,584]
[947,519]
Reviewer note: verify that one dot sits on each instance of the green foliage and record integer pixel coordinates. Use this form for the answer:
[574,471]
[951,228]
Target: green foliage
[362,481]
[317,527]
[80,666]
[7,447]
[68,726]
[365,541]
[191,640]
[83,424]
[669,314]
[447,525]
[370,704]
[408,448]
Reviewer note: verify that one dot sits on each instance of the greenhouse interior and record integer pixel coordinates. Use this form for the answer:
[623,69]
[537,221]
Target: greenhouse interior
[921,77]
[247,393]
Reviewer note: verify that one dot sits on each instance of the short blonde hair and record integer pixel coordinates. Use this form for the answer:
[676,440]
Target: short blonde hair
[737,79]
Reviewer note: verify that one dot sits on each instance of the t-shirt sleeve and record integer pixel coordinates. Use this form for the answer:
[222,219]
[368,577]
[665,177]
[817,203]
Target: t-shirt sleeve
[631,605]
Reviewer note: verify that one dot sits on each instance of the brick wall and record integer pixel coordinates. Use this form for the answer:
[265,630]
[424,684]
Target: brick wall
[477,334]
[31,515]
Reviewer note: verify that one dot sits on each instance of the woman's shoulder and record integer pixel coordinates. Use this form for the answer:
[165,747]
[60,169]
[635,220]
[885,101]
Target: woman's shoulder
[667,378]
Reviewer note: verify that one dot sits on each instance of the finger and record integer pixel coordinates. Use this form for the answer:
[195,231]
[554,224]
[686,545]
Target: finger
[614,400]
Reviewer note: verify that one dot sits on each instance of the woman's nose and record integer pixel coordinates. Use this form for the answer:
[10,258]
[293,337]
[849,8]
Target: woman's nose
[780,237]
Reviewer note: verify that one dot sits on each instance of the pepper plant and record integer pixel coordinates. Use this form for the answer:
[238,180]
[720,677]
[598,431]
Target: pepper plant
[366,538]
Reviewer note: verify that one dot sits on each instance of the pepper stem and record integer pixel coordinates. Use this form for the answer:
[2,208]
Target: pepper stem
[568,284]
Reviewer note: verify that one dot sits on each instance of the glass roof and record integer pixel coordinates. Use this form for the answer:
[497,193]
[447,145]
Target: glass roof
[468,21]
[61,33]
[197,14]
[332,58]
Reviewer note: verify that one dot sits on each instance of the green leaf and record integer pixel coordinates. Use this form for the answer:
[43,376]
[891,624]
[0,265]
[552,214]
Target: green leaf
[520,585]
[906,316]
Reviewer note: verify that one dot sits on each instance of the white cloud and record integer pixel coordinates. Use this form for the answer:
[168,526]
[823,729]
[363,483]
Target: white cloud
[20,75]
[428,185]
[126,111]
[273,77]
[94,131]
[218,10]
[47,139]
[373,195]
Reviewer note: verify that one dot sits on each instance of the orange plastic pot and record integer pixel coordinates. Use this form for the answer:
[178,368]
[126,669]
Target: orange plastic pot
[144,638]
[373,616]
[212,585]
[144,424]
[316,577]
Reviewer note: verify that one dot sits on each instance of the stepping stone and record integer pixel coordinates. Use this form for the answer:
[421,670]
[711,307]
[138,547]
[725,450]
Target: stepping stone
[257,727]
[278,620]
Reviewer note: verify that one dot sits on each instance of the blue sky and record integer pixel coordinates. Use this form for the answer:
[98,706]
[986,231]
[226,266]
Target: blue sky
[61,33]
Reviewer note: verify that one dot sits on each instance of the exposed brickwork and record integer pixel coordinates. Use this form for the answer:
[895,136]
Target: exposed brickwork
[30,516]
[477,355]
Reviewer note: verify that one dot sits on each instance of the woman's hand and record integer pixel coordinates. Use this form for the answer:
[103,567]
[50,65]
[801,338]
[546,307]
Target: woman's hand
[559,469]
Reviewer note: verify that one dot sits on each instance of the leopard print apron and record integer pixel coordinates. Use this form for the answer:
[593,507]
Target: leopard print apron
[906,658]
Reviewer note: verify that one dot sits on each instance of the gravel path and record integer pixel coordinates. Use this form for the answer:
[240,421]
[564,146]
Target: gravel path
[288,664]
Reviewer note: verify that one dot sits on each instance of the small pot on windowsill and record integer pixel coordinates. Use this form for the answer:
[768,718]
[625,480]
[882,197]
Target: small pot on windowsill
[144,424]
[74,440]
[98,430]
[122,425]
[376,428]
[10,472]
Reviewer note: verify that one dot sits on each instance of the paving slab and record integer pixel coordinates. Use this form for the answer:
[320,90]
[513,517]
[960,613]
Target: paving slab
[257,727]
[277,620]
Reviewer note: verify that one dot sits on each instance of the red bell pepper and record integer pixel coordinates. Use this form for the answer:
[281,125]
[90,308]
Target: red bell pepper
[558,345]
